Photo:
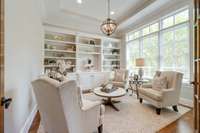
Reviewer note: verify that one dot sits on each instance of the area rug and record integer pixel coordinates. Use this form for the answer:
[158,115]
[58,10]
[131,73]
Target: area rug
[134,117]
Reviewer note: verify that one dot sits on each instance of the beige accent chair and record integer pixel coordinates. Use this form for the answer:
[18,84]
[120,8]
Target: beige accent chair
[164,97]
[121,78]
[63,110]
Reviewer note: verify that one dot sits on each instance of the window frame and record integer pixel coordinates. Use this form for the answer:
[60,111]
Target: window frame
[159,32]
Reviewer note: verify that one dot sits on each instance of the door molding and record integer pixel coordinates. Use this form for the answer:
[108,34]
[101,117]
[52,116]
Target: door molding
[2,66]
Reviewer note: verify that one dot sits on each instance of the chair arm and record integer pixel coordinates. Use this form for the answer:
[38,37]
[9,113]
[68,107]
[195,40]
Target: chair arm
[167,90]
[88,105]
[92,115]
[147,85]
[168,94]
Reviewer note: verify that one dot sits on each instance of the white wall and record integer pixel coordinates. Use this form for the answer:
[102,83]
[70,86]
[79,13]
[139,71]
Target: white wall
[23,59]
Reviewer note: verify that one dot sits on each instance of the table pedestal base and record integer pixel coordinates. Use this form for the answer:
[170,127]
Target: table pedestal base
[110,102]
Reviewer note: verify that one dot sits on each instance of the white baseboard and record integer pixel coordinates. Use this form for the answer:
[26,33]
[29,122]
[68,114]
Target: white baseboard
[29,120]
[186,102]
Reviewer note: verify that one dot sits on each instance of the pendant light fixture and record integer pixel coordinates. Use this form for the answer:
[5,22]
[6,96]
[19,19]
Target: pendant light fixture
[108,26]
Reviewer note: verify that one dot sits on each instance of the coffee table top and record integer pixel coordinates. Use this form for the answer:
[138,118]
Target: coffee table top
[117,93]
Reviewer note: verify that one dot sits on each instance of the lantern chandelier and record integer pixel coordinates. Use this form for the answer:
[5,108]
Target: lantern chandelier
[108,26]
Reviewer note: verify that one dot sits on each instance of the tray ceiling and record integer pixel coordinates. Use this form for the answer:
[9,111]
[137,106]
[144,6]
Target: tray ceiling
[89,15]
[97,9]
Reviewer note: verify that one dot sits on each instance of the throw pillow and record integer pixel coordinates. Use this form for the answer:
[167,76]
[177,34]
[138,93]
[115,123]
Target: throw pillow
[159,83]
[119,76]
[157,74]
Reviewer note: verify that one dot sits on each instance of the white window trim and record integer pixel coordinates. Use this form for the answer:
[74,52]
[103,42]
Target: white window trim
[159,21]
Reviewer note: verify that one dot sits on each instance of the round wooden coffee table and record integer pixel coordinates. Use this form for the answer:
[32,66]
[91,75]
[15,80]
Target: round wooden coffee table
[115,94]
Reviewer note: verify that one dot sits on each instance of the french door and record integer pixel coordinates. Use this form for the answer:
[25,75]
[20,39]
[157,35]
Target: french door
[2,67]
[197,66]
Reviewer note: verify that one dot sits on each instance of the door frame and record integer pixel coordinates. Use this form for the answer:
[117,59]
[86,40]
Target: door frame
[2,65]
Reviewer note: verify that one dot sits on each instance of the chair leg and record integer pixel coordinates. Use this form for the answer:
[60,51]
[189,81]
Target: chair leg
[141,100]
[175,108]
[100,129]
[158,110]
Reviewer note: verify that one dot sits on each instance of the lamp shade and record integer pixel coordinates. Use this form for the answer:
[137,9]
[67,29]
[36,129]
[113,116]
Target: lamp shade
[139,62]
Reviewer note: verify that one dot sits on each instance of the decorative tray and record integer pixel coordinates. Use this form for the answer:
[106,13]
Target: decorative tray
[109,88]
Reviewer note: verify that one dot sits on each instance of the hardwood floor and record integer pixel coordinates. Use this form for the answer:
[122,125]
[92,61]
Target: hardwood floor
[182,125]
[35,124]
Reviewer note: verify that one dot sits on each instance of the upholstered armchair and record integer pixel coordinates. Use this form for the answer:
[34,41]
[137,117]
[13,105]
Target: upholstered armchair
[63,110]
[163,97]
[121,78]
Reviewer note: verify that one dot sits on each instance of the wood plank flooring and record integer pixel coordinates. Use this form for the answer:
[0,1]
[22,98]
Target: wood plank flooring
[35,124]
[182,125]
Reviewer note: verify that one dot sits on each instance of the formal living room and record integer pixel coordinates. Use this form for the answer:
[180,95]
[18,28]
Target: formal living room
[100,66]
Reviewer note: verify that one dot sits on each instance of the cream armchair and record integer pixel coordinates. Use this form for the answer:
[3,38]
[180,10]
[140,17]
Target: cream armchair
[121,78]
[63,110]
[164,97]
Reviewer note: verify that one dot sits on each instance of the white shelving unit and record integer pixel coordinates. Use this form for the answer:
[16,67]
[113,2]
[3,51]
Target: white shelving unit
[79,48]
[111,54]
[59,46]
[89,49]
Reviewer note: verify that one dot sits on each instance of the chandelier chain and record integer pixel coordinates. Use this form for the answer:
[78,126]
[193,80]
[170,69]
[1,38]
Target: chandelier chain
[108,8]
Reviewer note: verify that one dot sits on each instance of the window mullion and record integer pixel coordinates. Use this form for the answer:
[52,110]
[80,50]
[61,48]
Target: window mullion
[159,46]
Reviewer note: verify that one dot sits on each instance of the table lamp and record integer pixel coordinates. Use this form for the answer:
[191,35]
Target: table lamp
[140,63]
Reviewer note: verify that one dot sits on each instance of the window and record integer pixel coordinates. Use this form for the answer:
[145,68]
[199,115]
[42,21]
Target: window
[165,49]
[149,52]
[181,17]
[154,27]
[133,36]
[145,31]
[167,22]
[132,54]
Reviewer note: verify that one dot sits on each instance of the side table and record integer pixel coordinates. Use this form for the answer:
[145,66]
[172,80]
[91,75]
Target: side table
[135,84]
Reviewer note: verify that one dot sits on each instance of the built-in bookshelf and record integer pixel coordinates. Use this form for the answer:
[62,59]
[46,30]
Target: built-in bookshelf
[84,52]
[89,51]
[111,55]
[59,46]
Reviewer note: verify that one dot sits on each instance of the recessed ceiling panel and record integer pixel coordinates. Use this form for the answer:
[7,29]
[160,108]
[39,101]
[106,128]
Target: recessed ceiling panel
[97,9]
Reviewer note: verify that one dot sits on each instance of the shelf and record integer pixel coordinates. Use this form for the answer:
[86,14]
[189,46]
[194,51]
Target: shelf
[55,50]
[111,54]
[50,65]
[111,59]
[111,48]
[111,66]
[65,58]
[93,53]
[55,66]
[89,45]
[57,41]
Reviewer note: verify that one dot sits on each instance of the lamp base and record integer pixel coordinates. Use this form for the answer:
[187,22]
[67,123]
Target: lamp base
[140,73]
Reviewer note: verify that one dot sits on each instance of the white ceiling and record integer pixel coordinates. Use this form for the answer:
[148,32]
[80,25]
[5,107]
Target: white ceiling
[97,9]
[88,16]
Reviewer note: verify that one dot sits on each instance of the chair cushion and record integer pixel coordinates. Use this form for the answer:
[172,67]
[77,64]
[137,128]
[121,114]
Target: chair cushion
[152,93]
[159,83]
